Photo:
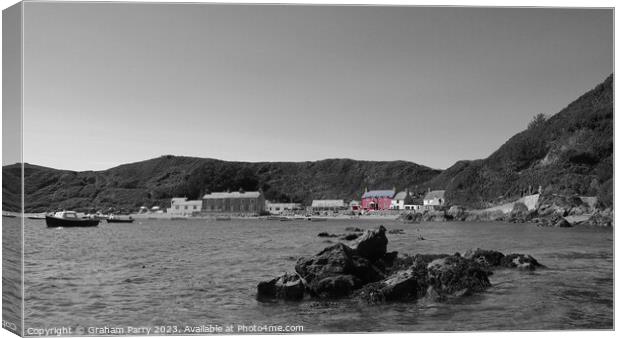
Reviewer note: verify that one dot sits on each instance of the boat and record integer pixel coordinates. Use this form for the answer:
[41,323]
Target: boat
[8,216]
[36,217]
[68,219]
[116,219]
[314,219]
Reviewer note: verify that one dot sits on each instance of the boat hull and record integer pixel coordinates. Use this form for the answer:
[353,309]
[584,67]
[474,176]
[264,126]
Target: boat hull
[54,222]
[119,220]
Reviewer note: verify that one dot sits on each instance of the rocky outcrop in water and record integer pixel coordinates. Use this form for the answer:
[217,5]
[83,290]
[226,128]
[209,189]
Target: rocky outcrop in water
[368,272]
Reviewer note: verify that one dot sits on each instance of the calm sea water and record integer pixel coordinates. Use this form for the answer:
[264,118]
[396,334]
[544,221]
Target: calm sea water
[198,272]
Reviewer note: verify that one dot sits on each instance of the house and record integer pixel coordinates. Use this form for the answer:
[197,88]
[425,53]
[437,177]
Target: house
[355,206]
[435,198]
[280,208]
[398,201]
[377,199]
[327,205]
[242,202]
[184,207]
[404,200]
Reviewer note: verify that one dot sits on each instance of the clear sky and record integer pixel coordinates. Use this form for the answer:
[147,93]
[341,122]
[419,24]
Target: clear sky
[112,83]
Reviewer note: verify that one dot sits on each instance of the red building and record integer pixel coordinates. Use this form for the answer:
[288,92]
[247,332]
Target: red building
[377,199]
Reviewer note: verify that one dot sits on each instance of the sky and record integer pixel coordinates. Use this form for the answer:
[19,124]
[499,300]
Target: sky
[113,83]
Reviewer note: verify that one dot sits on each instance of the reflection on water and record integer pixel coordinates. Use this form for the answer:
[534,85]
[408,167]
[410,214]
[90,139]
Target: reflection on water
[198,272]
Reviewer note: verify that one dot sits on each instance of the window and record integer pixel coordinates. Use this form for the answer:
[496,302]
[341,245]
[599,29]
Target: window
[186,207]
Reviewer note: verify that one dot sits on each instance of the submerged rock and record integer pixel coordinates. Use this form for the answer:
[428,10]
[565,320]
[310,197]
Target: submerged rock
[396,232]
[520,261]
[326,234]
[457,276]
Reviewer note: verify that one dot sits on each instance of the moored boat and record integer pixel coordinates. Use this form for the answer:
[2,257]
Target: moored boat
[116,219]
[68,219]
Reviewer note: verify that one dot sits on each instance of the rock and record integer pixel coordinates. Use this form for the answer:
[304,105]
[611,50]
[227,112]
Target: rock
[520,261]
[562,223]
[457,276]
[326,234]
[400,286]
[432,294]
[457,213]
[336,286]
[372,244]
[488,258]
[396,231]
[287,286]
[519,213]
[370,273]
[331,261]
[579,210]
[350,237]
[410,217]
[353,229]
[387,260]
[434,216]
[337,260]
[603,219]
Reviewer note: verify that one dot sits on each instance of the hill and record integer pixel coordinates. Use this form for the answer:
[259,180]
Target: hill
[155,181]
[570,153]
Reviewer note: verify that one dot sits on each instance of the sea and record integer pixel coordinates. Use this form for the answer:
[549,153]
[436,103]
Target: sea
[200,276]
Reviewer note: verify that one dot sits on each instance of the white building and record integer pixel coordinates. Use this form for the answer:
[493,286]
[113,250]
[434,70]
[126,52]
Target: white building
[183,207]
[435,198]
[412,207]
[323,205]
[398,202]
[281,208]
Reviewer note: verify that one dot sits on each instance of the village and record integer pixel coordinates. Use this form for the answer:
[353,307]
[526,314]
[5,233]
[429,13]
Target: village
[253,203]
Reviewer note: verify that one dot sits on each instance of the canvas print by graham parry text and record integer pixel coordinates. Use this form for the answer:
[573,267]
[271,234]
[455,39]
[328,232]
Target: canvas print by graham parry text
[189,169]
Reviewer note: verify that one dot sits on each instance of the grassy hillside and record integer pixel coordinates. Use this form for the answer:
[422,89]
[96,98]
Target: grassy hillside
[569,153]
[155,181]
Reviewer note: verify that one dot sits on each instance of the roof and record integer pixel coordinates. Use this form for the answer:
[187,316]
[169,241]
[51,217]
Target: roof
[327,203]
[401,195]
[283,204]
[189,202]
[233,194]
[434,194]
[378,194]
